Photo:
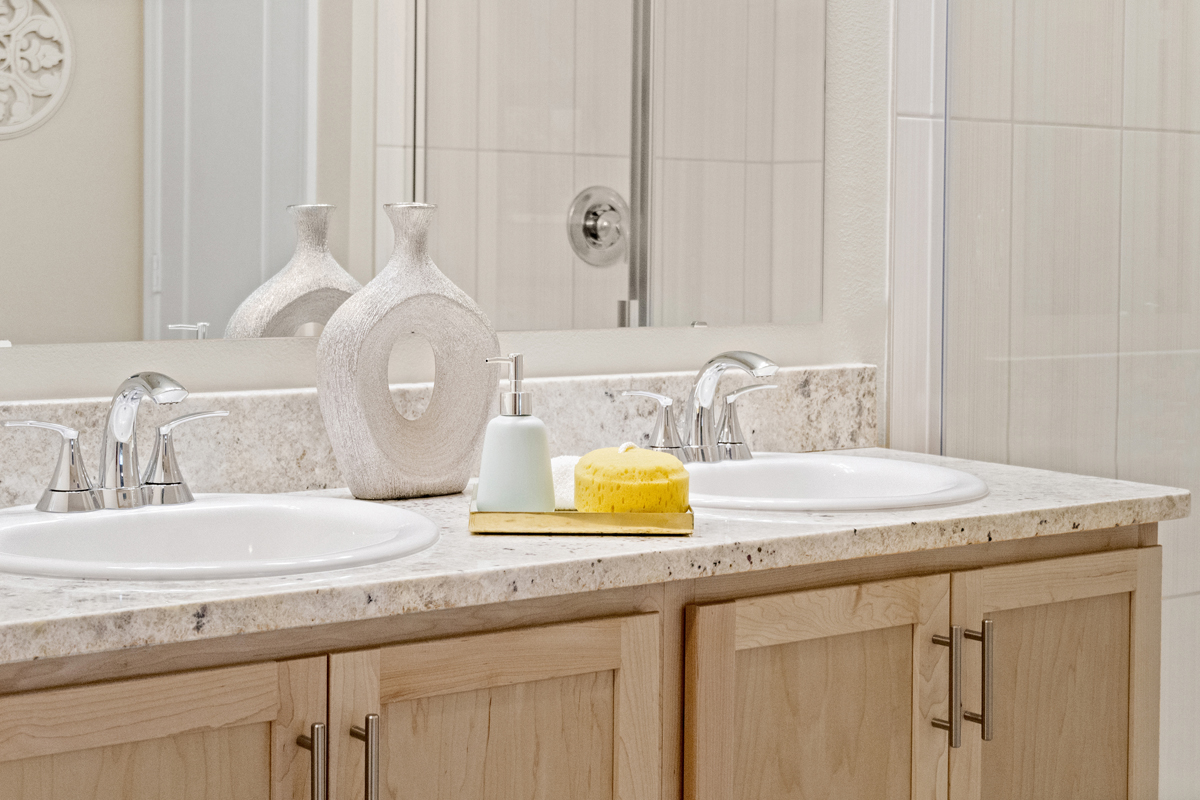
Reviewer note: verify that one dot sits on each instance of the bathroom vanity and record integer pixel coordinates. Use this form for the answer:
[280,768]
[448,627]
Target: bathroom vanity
[768,655]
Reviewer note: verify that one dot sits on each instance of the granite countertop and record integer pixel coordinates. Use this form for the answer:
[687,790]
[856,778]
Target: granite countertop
[50,618]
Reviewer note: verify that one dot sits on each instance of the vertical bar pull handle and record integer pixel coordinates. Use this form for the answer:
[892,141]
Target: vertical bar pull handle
[986,716]
[954,724]
[370,736]
[318,744]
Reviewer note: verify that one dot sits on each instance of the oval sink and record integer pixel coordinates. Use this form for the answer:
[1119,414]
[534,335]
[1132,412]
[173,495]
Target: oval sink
[828,482]
[217,536]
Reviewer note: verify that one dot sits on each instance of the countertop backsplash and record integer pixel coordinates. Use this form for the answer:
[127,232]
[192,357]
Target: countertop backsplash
[275,441]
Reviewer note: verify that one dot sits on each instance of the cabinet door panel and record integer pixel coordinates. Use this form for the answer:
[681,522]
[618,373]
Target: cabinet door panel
[557,711]
[831,693]
[796,738]
[223,734]
[1062,689]
[545,739]
[1075,678]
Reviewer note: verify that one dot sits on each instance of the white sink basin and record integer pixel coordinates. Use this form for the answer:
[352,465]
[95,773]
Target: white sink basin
[217,536]
[827,482]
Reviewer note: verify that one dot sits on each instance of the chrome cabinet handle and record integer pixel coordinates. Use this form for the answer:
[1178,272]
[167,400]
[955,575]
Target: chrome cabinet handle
[318,744]
[370,736]
[954,724]
[986,716]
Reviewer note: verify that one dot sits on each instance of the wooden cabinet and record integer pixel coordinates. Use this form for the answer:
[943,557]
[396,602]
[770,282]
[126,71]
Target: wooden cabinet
[824,693]
[833,692]
[221,734]
[1075,678]
[559,711]
[815,690]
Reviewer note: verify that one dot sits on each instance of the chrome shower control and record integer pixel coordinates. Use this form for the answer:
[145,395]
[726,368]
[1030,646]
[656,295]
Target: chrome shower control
[598,226]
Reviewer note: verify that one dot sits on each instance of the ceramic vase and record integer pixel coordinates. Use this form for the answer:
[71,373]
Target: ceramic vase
[308,289]
[381,454]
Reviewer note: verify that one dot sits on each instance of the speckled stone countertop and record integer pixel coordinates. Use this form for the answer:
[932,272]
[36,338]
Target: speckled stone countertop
[49,618]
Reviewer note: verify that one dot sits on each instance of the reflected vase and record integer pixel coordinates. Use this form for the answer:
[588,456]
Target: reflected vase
[310,288]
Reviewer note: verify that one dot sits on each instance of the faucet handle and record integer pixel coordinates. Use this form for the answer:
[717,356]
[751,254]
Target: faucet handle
[664,437]
[70,489]
[163,482]
[729,431]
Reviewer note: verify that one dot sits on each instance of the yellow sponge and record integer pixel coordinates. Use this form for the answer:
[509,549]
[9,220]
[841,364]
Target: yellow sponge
[627,478]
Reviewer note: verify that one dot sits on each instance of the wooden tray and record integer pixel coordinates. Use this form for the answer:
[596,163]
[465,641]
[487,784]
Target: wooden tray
[581,523]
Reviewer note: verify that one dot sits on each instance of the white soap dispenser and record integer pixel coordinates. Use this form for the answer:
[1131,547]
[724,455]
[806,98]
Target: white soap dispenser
[515,474]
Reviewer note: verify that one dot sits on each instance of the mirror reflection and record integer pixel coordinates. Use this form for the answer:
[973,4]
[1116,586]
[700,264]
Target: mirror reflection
[594,163]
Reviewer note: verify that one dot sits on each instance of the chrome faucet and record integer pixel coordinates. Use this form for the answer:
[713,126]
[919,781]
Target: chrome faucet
[120,480]
[702,440]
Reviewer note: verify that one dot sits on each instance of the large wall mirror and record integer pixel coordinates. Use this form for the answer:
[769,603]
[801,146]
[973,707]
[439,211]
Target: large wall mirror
[596,163]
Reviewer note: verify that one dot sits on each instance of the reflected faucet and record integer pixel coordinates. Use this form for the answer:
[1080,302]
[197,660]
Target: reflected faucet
[702,432]
[120,480]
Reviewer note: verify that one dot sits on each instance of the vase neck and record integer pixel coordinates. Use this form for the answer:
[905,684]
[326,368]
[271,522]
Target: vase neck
[411,221]
[312,228]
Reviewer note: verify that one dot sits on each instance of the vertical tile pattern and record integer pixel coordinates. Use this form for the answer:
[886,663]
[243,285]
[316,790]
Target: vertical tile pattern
[527,75]
[978,289]
[1065,266]
[981,59]
[1067,61]
[393,114]
[522,198]
[703,236]
[704,95]
[799,80]
[742,103]
[452,74]
[603,76]
[797,242]
[1160,331]
[529,102]
[1162,64]
[1105,269]
[1180,738]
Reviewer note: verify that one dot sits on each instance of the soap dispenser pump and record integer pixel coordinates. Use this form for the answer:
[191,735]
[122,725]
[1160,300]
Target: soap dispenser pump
[515,473]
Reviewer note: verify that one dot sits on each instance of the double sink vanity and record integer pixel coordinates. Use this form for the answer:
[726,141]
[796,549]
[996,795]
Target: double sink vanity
[857,622]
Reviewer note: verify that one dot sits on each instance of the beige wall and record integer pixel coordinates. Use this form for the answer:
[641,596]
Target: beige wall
[71,194]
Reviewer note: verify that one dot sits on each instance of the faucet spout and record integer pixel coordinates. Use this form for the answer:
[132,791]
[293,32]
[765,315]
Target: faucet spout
[702,434]
[120,480]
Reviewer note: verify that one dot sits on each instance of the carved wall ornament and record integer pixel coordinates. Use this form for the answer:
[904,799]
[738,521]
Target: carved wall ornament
[35,64]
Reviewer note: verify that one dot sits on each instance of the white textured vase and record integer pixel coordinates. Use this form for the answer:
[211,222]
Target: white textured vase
[381,454]
[309,289]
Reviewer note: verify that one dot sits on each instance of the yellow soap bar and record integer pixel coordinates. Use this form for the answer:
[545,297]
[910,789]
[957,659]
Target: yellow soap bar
[609,480]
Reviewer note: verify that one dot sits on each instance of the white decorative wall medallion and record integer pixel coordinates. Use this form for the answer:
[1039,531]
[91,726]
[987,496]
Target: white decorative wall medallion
[35,64]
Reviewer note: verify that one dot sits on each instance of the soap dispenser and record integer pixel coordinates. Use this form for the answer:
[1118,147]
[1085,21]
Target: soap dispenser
[515,474]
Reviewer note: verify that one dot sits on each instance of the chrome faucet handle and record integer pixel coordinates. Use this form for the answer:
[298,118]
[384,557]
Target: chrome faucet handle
[201,329]
[163,482]
[70,489]
[730,440]
[664,437]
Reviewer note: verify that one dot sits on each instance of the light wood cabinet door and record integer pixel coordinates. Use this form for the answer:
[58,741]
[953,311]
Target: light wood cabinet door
[1075,678]
[827,693]
[559,711]
[221,734]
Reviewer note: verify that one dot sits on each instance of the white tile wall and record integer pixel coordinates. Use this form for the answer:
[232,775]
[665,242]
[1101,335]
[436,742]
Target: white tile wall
[978,290]
[1179,741]
[1102,261]
[1065,270]
[1162,64]
[1067,61]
